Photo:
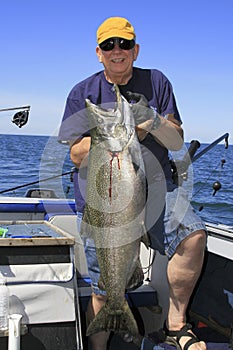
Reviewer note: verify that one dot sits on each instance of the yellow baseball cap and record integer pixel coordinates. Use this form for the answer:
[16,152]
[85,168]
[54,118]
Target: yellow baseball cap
[115,27]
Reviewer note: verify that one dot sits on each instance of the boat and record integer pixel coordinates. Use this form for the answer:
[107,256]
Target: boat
[210,310]
[43,262]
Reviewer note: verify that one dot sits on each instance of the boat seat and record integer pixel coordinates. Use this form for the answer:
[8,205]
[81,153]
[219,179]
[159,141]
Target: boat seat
[26,208]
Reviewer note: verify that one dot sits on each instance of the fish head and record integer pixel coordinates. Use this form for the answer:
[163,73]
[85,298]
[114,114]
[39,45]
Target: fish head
[111,125]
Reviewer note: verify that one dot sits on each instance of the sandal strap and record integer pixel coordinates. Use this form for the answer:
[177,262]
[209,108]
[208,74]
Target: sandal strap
[183,332]
[190,342]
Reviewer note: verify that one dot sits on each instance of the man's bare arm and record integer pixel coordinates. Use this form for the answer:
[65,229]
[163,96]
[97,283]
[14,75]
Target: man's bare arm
[79,151]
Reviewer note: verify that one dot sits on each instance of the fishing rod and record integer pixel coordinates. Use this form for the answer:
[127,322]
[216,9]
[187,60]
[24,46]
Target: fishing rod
[206,149]
[180,167]
[36,182]
[20,118]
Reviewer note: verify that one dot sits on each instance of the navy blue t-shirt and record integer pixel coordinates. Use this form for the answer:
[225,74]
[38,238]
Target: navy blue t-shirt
[157,89]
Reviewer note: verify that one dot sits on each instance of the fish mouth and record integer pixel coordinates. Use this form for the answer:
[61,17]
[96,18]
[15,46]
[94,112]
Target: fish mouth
[118,145]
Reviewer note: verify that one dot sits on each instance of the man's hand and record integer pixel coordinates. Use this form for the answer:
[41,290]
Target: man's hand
[140,107]
[146,119]
[166,131]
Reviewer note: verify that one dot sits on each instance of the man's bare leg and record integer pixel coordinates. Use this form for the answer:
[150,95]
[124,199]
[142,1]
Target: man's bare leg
[183,271]
[98,341]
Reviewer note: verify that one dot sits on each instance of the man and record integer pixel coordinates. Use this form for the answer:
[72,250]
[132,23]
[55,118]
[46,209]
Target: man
[178,233]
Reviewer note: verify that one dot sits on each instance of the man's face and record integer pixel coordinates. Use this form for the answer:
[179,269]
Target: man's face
[117,62]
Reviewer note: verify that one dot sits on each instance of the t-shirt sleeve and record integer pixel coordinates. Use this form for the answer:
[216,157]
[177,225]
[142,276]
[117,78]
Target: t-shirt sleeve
[74,123]
[166,98]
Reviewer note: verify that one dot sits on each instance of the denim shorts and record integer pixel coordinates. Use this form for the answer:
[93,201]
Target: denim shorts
[179,221]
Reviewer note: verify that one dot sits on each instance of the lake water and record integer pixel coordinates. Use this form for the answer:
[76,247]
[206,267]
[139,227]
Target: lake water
[27,159]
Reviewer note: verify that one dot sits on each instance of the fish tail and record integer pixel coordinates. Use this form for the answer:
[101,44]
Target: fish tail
[120,321]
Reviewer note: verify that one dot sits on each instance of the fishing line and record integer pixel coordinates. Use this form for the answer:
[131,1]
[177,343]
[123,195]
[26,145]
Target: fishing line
[36,182]
[217,184]
[204,184]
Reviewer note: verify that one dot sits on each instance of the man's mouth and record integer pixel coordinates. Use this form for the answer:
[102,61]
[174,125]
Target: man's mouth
[118,60]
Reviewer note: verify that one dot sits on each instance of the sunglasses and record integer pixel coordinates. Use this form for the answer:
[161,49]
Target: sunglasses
[123,44]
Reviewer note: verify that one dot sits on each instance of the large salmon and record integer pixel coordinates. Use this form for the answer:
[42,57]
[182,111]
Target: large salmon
[114,210]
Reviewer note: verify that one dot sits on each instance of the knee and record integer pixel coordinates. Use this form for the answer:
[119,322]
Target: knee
[195,243]
[95,304]
[199,238]
[98,298]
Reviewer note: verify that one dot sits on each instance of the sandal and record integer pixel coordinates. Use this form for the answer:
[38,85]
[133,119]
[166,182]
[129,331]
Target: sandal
[173,337]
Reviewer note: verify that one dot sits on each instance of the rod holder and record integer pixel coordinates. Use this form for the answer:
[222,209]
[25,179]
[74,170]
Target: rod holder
[14,332]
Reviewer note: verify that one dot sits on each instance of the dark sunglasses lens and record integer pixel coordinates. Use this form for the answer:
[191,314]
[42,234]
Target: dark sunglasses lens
[107,45]
[124,44]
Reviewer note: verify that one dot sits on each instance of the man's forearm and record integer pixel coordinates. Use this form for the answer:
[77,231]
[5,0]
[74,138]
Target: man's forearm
[79,151]
[166,131]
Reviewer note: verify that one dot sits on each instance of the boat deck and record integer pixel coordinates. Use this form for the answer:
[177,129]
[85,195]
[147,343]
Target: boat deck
[116,344]
[214,341]
[216,282]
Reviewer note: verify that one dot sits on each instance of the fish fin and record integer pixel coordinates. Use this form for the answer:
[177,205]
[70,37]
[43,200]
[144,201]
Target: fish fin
[137,278]
[120,321]
[101,283]
[145,239]
[86,229]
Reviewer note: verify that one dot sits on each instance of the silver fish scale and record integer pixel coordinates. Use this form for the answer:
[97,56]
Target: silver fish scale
[114,211]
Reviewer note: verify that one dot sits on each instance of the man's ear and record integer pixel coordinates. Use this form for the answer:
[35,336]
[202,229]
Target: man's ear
[98,53]
[136,51]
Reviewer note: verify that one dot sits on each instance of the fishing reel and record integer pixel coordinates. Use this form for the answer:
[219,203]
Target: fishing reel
[180,167]
[21,118]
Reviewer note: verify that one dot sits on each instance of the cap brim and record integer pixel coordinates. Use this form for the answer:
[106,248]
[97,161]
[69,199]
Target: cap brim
[116,34]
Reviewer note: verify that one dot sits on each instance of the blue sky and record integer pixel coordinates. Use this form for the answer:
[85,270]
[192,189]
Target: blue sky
[47,46]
